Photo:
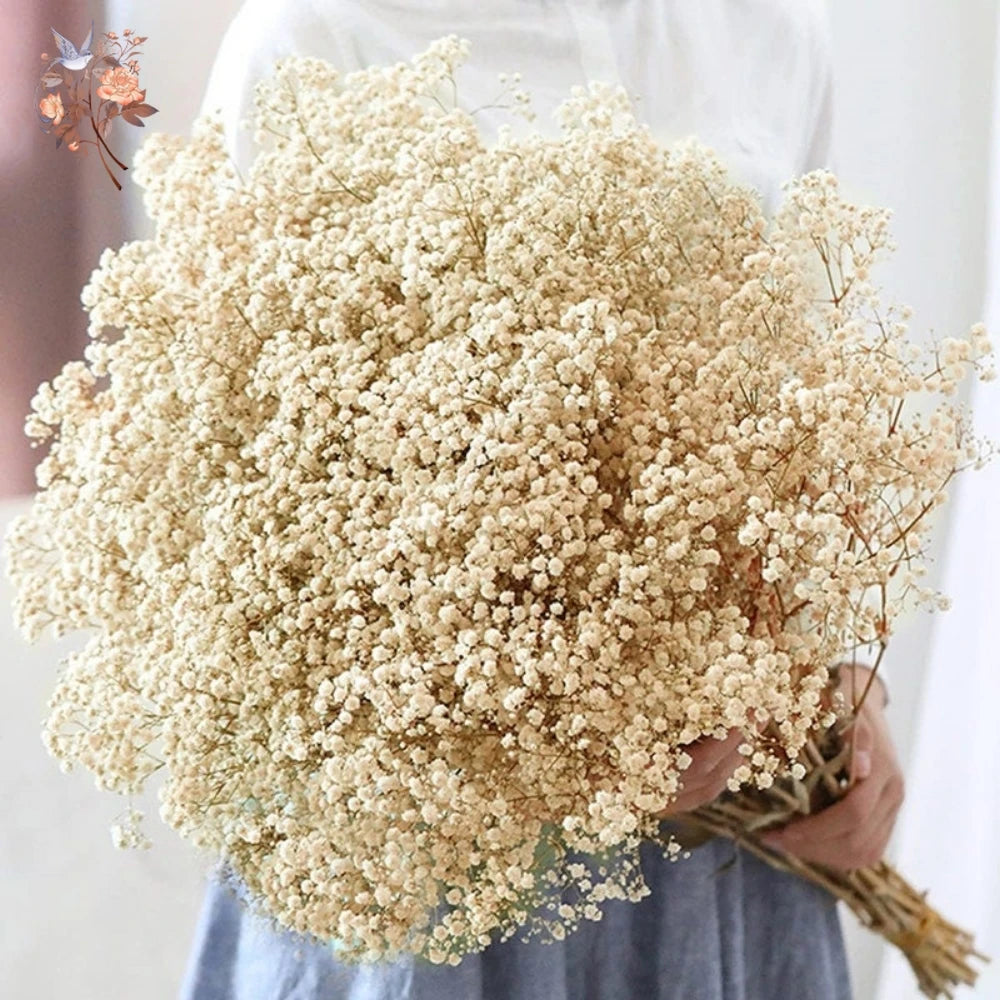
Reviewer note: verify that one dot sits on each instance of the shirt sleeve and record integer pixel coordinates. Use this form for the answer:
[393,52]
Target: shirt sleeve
[821,147]
[261,32]
[821,152]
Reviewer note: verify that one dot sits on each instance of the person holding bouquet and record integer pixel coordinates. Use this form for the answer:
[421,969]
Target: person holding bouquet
[755,81]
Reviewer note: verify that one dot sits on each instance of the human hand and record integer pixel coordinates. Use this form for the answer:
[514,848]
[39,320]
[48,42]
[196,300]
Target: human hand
[713,762]
[854,831]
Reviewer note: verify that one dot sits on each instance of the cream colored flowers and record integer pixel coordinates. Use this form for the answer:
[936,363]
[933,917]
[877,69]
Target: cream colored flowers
[438,494]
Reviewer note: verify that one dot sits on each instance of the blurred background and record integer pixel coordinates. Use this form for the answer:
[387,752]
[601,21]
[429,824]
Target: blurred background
[917,130]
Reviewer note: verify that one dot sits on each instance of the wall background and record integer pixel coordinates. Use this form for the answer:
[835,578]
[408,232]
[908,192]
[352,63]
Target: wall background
[914,99]
[914,108]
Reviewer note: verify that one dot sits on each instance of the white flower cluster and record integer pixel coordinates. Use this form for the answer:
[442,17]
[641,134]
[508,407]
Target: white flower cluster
[425,499]
[128,834]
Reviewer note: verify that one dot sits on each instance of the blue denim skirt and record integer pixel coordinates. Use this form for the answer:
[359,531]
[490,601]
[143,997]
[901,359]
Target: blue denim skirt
[718,925]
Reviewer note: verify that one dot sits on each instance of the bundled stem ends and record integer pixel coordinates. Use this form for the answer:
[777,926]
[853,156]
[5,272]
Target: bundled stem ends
[939,952]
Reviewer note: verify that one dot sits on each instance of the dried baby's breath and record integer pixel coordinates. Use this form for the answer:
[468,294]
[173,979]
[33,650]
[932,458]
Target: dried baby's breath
[434,495]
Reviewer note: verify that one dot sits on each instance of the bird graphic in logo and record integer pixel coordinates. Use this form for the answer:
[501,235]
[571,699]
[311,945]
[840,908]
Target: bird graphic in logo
[69,55]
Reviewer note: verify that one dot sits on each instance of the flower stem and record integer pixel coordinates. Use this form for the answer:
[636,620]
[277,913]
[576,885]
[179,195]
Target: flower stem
[105,145]
[100,153]
[939,952]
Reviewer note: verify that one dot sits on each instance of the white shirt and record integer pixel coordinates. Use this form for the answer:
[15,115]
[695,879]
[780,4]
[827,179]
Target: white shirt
[752,78]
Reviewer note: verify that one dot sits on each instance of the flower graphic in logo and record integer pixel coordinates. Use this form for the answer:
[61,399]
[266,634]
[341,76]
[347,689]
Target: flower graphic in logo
[121,86]
[52,107]
[66,103]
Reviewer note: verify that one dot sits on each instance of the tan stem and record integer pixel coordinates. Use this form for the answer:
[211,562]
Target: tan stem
[938,952]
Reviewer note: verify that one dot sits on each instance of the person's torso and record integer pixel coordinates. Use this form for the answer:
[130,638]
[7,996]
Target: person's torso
[740,74]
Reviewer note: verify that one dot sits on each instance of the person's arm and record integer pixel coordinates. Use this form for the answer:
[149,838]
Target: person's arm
[861,678]
[261,32]
[821,150]
[855,831]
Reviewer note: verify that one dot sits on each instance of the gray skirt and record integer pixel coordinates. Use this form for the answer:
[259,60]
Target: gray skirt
[718,925]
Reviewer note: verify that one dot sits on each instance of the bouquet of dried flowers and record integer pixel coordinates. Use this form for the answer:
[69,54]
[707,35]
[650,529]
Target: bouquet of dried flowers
[425,499]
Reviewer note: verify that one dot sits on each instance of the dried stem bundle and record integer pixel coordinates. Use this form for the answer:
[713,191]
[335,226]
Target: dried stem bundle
[938,951]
